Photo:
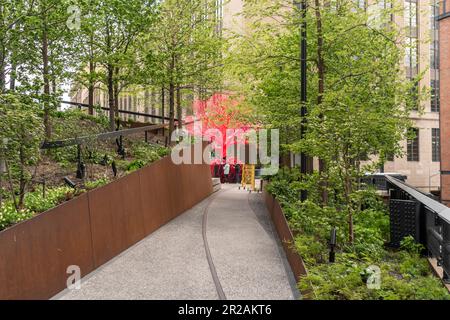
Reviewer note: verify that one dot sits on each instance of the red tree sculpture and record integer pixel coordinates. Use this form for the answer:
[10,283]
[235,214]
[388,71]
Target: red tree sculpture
[220,112]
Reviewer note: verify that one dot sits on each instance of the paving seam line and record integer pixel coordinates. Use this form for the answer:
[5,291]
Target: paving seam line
[212,267]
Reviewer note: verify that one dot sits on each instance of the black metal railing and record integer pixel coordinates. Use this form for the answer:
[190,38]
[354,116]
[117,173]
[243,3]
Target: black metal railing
[133,113]
[101,136]
[415,213]
[379,181]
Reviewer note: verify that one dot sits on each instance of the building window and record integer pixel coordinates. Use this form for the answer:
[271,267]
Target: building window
[434,57]
[410,12]
[411,53]
[434,54]
[435,101]
[413,145]
[434,14]
[436,144]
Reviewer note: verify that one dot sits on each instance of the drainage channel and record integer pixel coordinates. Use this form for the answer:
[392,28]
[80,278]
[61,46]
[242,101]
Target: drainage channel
[212,267]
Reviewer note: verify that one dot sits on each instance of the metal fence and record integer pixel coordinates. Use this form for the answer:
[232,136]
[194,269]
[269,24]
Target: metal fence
[414,213]
[127,112]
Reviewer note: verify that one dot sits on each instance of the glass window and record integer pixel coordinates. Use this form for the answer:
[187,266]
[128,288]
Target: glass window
[413,145]
[411,54]
[410,13]
[434,54]
[435,101]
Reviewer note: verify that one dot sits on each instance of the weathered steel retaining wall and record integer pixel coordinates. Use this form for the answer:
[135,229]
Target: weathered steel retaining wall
[95,227]
[285,235]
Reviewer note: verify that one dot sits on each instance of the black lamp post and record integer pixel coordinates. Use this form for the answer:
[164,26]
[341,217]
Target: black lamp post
[303,88]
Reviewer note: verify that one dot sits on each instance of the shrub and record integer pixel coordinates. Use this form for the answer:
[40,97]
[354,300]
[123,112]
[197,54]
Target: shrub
[36,202]
[135,165]
[90,185]
[10,216]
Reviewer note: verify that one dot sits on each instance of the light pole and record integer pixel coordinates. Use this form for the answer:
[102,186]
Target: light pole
[303,88]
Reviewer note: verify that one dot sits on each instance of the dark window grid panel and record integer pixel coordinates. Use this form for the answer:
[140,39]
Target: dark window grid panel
[435,144]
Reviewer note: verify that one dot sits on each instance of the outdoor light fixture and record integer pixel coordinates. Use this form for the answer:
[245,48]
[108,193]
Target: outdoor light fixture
[69,182]
[332,255]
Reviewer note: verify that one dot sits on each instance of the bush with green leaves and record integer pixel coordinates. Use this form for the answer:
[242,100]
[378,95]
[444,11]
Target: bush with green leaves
[90,185]
[135,165]
[34,203]
[9,215]
[37,202]
[21,133]
[147,153]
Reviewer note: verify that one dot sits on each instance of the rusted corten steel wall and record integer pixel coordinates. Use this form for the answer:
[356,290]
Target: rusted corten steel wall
[444,74]
[285,235]
[95,227]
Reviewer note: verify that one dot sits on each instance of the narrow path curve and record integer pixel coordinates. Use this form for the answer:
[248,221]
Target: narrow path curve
[248,258]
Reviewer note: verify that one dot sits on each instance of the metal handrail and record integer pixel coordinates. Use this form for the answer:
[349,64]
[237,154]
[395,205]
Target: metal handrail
[134,113]
[100,136]
[413,212]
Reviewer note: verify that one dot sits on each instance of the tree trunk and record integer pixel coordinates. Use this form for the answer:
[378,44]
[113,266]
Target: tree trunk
[91,99]
[13,76]
[110,78]
[323,182]
[179,109]
[11,185]
[171,98]
[171,110]
[321,91]
[22,181]
[116,91]
[45,74]
[112,125]
[163,98]
[2,60]
[348,189]
[2,71]
[91,74]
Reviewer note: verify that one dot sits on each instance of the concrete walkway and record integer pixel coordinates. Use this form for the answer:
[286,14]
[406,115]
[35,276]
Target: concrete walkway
[244,254]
